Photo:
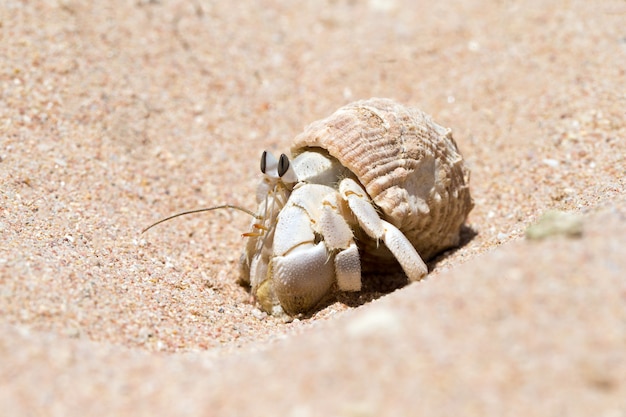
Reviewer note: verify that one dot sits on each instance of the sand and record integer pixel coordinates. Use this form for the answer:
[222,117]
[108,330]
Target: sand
[114,115]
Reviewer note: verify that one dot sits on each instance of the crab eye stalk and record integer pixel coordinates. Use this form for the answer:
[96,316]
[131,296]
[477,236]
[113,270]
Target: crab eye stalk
[269,164]
[286,171]
[283,165]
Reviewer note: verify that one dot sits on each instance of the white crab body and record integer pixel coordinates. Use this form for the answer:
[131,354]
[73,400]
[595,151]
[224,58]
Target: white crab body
[375,182]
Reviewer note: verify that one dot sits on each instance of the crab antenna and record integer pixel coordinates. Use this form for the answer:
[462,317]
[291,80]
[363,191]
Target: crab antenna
[224,206]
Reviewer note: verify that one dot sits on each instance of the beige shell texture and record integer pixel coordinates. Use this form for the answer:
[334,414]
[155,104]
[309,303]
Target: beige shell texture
[409,165]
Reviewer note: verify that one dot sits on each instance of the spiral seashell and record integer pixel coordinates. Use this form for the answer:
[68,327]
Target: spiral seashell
[409,165]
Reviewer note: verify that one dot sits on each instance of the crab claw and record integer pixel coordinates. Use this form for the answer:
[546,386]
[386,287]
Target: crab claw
[303,277]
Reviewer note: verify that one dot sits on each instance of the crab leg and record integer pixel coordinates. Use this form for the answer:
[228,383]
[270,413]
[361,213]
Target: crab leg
[377,228]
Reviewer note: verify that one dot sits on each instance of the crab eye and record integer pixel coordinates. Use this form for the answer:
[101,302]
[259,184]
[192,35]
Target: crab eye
[283,165]
[263,161]
[269,164]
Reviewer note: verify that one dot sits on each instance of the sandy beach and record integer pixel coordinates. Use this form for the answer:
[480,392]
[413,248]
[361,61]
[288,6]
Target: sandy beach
[116,114]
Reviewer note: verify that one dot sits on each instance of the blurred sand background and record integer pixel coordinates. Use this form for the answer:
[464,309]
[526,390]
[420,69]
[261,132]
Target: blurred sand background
[116,113]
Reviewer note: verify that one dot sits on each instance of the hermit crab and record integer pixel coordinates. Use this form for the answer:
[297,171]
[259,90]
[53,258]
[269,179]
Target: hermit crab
[374,184]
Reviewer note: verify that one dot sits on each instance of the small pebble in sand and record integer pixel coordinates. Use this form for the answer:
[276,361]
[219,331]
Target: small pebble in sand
[375,322]
[556,222]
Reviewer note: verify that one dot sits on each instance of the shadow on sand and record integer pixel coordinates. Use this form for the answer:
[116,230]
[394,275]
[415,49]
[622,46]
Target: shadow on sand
[376,285]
